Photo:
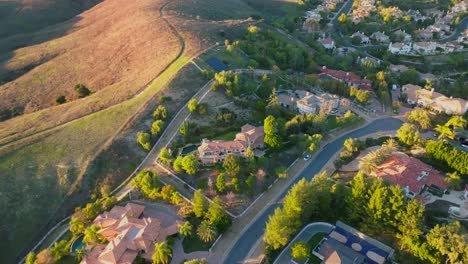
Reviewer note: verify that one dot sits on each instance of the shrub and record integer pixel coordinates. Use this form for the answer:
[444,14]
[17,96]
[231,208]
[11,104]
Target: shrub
[82,90]
[144,139]
[61,99]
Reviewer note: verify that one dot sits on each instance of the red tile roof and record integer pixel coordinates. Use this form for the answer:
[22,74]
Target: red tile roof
[348,77]
[407,171]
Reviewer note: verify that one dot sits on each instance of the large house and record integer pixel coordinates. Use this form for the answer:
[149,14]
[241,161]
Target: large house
[345,244]
[210,152]
[350,78]
[403,36]
[364,39]
[129,232]
[312,103]
[435,101]
[380,36]
[327,43]
[399,48]
[425,47]
[410,174]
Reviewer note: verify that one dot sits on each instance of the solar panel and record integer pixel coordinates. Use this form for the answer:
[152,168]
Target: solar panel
[216,64]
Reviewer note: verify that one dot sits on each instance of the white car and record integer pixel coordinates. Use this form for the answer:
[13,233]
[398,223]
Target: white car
[307,157]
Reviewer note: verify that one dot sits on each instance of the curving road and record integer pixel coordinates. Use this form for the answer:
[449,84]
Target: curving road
[250,236]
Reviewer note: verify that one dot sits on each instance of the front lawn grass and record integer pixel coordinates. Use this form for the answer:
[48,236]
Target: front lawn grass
[193,243]
[313,242]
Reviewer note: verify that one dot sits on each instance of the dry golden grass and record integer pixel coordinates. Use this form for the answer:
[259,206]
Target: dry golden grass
[115,48]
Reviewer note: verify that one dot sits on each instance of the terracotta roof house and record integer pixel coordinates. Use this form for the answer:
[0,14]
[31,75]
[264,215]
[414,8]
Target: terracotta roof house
[425,47]
[410,174]
[210,152]
[312,103]
[434,100]
[350,78]
[129,233]
[425,34]
[345,245]
[327,43]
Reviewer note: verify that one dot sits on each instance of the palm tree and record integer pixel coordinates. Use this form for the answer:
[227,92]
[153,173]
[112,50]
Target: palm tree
[186,229]
[444,131]
[456,121]
[391,143]
[206,231]
[162,253]
[92,237]
[454,180]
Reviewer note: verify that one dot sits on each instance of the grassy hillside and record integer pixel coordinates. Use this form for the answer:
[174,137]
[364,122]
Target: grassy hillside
[23,16]
[47,157]
[111,47]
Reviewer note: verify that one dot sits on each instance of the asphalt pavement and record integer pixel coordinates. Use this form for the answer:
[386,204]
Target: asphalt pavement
[243,245]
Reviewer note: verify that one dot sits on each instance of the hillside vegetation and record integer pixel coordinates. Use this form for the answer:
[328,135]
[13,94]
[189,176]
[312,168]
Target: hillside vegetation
[109,48]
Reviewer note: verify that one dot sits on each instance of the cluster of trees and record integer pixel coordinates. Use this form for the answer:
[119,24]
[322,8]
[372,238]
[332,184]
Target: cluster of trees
[372,206]
[82,90]
[270,50]
[445,154]
[448,129]
[362,96]
[157,127]
[304,201]
[419,117]
[150,186]
[233,83]
[188,164]
[195,107]
[215,220]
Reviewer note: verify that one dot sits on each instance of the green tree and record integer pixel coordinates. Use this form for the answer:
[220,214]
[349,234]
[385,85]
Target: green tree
[92,236]
[160,113]
[352,145]
[270,125]
[454,180]
[77,225]
[278,230]
[157,127]
[60,249]
[232,165]
[187,129]
[419,117]
[281,172]
[30,258]
[80,254]
[444,132]
[147,182]
[343,18]
[249,154]
[206,231]
[186,229]
[235,183]
[450,240]
[200,203]
[408,134]
[192,105]
[144,139]
[300,251]
[456,122]
[217,216]
[221,182]
[165,156]
[61,99]
[358,198]
[190,164]
[411,223]
[82,90]
[162,253]
[178,167]
[273,141]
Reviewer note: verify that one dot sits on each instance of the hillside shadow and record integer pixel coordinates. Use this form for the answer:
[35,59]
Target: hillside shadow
[20,27]
[273,9]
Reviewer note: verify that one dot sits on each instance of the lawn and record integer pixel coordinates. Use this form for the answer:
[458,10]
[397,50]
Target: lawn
[313,241]
[227,136]
[193,243]
[38,178]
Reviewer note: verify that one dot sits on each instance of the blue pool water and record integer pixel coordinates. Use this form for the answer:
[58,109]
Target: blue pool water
[188,149]
[78,244]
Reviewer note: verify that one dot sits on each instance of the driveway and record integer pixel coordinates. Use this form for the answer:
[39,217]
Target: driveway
[305,235]
[250,235]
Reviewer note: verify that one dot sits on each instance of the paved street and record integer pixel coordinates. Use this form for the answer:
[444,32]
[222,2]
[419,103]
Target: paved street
[255,230]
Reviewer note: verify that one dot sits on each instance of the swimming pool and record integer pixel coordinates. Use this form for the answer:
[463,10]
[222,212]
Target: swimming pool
[77,244]
[188,149]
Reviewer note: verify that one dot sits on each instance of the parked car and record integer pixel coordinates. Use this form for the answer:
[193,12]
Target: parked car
[306,157]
